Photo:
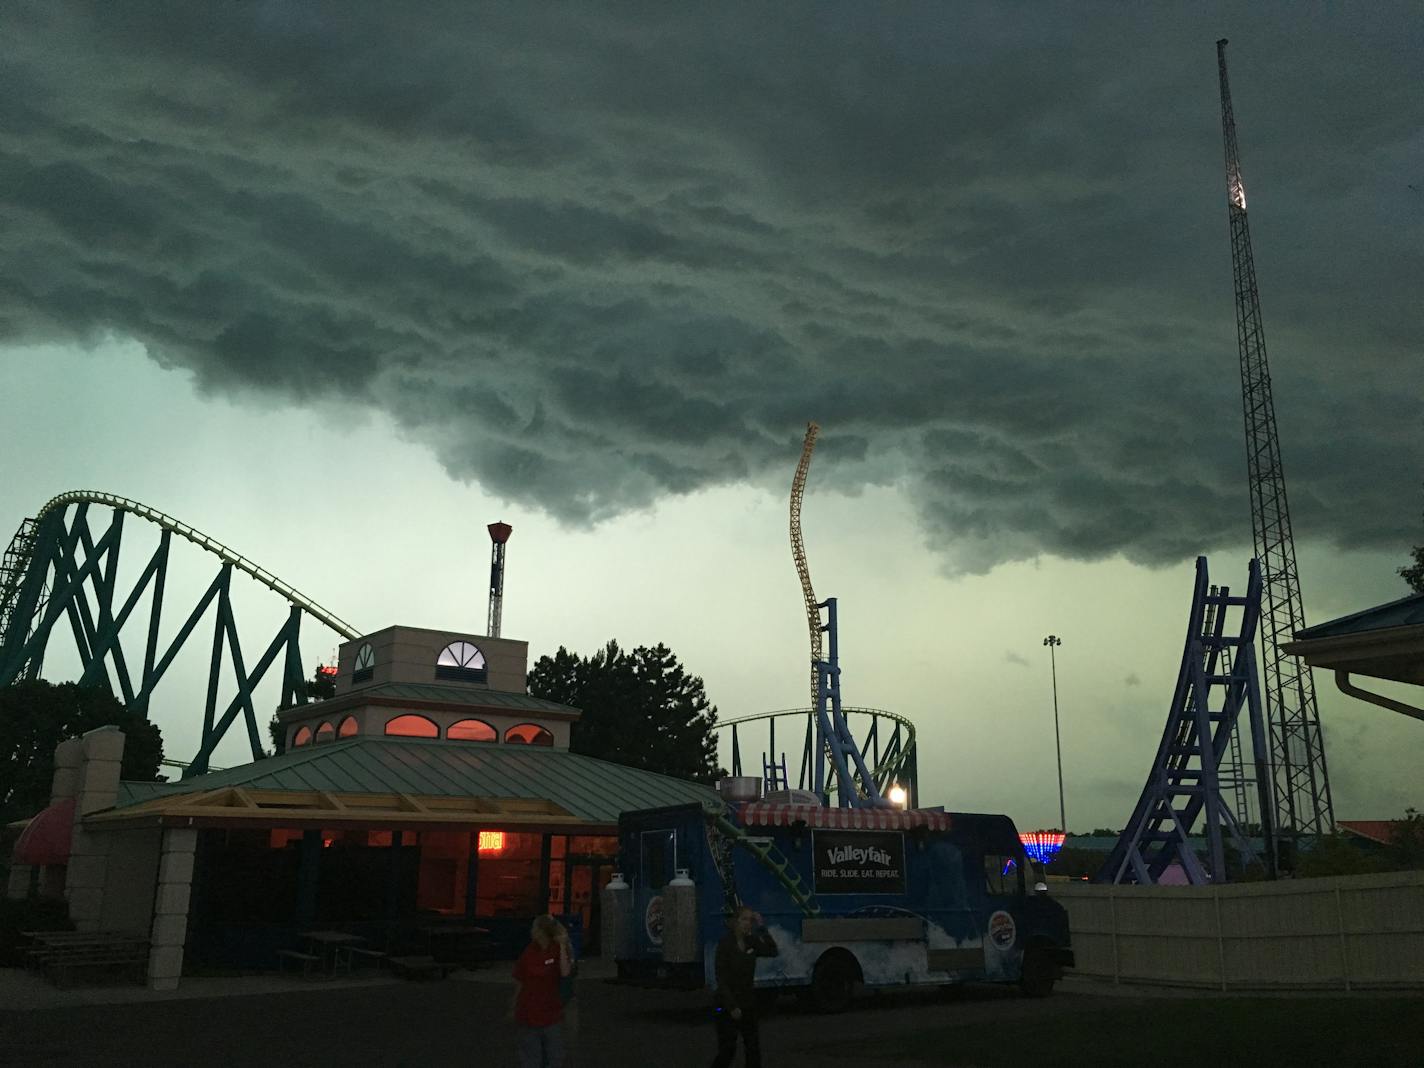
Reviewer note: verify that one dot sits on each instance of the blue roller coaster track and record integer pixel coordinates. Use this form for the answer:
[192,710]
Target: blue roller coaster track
[56,563]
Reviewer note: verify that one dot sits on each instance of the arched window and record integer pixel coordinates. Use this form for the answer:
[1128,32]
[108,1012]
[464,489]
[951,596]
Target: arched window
[412,726]
[325,733]
[365,662]
[528,734]
[347,728]
[460,662]
[302,737]
[471,730]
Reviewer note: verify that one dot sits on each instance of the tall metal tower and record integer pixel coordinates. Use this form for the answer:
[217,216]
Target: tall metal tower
[499,535]
[1302,787]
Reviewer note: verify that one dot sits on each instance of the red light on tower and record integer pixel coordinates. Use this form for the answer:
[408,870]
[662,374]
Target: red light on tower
[326,671]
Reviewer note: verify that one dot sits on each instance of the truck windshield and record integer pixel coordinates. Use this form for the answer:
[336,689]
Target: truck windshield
[1002,875]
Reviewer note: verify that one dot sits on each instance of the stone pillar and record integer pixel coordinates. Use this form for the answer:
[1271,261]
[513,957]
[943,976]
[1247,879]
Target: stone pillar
[102,752]
[170,908]
[68,756]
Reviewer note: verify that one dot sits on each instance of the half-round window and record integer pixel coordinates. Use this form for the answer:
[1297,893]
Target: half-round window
[460,662]
[365,663]
[471,730]
[528,734]
[302,737]
[412,726]
[347,728]
[325,733]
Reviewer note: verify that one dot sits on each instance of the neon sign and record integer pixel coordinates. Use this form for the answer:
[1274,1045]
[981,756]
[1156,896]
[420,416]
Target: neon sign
[490,842]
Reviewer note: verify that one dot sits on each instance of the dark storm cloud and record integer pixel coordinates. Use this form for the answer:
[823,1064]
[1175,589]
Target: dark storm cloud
[592,259]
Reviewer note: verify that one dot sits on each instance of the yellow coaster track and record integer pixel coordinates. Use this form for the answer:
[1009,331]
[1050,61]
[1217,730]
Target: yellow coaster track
[798,553]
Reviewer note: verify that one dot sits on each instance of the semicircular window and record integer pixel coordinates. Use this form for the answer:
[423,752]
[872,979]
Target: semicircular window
[412,726]
[365,664]
[460,662]
[471,730]
[325,733]
[528,734]
[348,728]
[302,737]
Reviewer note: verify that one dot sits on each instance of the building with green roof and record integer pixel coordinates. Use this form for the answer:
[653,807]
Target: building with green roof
[431,806]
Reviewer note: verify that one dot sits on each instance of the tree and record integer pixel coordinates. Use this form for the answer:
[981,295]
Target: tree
[320,687]
[1414,575]
[35,716]
[1406,847]
[640,708]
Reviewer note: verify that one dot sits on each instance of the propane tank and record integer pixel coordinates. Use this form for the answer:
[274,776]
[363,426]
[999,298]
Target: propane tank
[680,920]
[617,919]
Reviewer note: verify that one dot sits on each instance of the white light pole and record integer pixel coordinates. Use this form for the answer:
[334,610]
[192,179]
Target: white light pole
[1053,641]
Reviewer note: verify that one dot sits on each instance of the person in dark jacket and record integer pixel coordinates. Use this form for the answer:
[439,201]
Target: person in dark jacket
[735,1010]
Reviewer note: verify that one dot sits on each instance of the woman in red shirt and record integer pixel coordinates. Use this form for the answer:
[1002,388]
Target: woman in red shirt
[538,1010]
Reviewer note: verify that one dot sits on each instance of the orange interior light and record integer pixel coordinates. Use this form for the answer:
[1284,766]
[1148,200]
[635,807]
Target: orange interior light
[491,842]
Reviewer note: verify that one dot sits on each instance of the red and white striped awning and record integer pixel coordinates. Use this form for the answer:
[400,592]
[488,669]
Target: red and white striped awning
[761,814]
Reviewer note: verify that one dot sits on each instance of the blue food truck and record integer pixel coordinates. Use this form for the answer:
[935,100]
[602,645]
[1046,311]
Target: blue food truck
[874,896]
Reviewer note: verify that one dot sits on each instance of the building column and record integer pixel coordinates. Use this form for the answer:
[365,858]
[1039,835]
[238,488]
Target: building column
[308,877]
[101,754]
[170,908]
[18,887]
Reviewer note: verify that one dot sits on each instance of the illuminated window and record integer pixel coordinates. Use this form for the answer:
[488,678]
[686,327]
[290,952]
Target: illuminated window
[528,734]
[491,842]
[325,733]
[347,728]
[365,663]
[460,662]
[302,737]
[508,882]
[411,726]
[281,838]
[444,871]
[471,730]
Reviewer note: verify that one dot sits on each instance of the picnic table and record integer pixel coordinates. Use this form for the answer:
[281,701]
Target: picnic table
[323,949]
[456,936]
[62,955]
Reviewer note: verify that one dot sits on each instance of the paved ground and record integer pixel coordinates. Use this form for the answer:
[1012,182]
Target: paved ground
[386,1024]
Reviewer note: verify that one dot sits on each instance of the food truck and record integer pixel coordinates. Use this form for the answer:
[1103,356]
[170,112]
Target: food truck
[879,897]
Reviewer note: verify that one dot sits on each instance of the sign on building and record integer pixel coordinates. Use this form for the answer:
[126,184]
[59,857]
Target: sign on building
[859,862]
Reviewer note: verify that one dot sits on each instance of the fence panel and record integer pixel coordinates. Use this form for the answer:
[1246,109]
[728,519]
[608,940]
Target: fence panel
[1348,932]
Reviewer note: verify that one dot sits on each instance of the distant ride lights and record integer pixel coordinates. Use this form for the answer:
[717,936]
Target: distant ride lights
[1042,846]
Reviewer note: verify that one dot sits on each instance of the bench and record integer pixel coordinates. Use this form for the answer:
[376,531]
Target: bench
[425,967]
[306,960]
[62,968]
[375,956]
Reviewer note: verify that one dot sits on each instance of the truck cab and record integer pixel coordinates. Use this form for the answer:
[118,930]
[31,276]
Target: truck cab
[850,897]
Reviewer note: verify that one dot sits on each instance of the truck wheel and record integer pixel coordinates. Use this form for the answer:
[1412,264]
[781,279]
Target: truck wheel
[1039,973]
[833,984]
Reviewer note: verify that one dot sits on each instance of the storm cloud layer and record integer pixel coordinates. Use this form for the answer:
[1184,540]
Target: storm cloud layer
[595,258]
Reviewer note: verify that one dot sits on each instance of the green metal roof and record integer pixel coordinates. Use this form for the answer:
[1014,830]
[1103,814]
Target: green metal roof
[590,789]
[454,695]
[1405,612]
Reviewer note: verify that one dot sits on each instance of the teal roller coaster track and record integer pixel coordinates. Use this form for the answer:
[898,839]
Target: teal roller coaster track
[57,567]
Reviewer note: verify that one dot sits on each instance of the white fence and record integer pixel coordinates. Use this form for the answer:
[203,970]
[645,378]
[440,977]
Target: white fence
[1363,931]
